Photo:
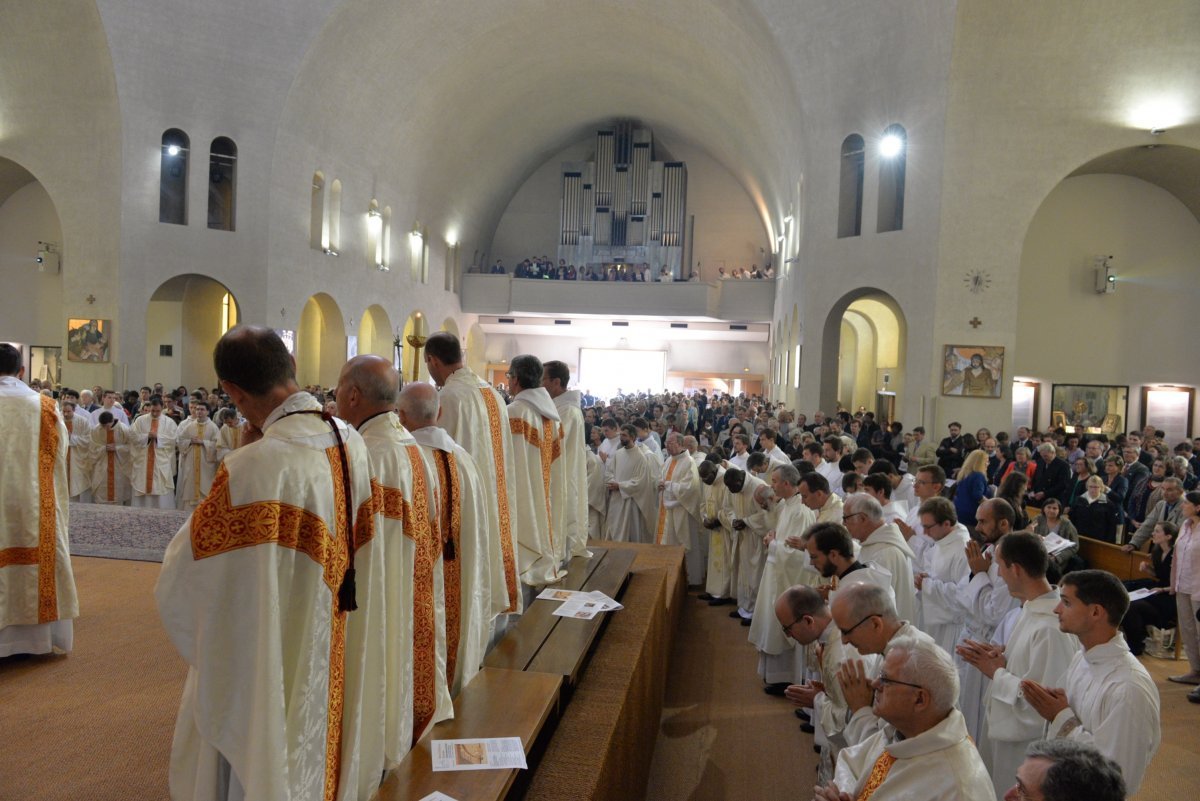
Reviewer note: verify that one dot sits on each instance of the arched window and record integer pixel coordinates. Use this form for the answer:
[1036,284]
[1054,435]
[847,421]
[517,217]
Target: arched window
[172,177]
[333,225]
[374,235]
[316,216]
[850,193]
[893,154]
[385,244]
[222,183]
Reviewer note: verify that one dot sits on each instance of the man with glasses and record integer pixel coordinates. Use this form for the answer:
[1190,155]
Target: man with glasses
[882,545]
[866,616]
[933,757]
[929,483]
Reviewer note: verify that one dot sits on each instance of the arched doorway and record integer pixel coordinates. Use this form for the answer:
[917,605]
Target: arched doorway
[320,342]
[476,352]
[375,333]
[185,317]
[865,340]
[416,329]
[450,325]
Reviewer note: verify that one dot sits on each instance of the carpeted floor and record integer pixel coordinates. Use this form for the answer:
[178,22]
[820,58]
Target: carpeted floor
[121,532]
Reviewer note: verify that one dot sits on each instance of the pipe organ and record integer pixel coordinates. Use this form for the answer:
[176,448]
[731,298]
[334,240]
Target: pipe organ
[623,207]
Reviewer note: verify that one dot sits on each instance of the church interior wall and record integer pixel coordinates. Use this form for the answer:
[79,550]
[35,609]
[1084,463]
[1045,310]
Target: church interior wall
[163,327]
[1140,334]
[31,309]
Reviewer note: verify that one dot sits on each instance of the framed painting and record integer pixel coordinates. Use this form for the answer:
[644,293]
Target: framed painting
[1090,408]
[88,340]
[973,371]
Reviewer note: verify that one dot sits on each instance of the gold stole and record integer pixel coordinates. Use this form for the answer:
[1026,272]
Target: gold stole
[150,449]
[451,522]
[506,540]
[418,528]
[112,466]
[196,450]
[70,431]
[662,504]
[878,774]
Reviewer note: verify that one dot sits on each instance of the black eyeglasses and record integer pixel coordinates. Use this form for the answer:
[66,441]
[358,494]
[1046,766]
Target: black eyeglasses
[883,681]
[851,516]
[846,632]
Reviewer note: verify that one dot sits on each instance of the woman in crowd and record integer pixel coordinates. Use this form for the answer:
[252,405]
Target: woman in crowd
[1083,469]
[1158,609]
[1092,513]
[1051,521]
[1185,584]
[1021,463]
[971,488]
[1013,489]
[1178,466]
[1116,485]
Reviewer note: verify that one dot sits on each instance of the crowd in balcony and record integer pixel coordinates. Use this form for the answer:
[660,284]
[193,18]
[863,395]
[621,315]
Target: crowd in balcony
[545,269]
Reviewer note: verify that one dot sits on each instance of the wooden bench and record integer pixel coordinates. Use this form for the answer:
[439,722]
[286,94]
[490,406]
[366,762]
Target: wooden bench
[1106,556]
[542,641]
[496,703]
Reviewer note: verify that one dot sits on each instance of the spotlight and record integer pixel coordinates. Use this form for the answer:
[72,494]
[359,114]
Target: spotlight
[890,146]
[172,150]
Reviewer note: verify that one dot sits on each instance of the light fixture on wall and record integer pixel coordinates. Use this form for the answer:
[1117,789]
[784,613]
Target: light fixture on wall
[1105,278]
[47,257]
[890,146]
[375,237]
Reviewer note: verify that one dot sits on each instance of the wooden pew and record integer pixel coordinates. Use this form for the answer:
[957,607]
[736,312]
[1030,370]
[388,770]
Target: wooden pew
[1106,556]
[496,703]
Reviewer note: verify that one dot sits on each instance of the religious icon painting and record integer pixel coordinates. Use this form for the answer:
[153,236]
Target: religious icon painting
[88,340]
[973,371]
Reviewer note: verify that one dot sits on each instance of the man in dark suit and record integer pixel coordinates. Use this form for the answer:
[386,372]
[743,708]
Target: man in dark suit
[1022,440]
[950,450]
[1134,438]
[1051,478]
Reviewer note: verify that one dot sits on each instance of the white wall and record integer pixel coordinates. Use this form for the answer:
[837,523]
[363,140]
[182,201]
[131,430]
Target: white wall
[1140,334]
[31,305]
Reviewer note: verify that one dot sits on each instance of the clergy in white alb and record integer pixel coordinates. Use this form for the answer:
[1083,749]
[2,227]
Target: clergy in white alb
[940,578]
[535,434]
[933,758]
[647,439]
[414,685]
[597,494]
[257,593]
[767,440]
[1107,698]
[984,601]
[37,587]
[1034,650]
[152,458]
[883,545]
[108,452]
[573,522]
[928,483]
[79,446]
[196,441]
[474,415]
[229,438]
[632,491]
[746,510]
[461,513]
[741,453]
[719,587]
[678,519]
[110,402]
[783,567]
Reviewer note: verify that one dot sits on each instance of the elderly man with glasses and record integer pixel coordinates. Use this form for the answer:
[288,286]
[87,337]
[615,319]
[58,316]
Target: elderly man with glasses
[932,757]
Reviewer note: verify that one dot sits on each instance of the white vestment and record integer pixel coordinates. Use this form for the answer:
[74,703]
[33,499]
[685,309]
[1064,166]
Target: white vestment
[1114,706]
[984,600]
[469,609]
[117,410]
[37,587]
[919,542]
[597,495]
[1037,650]
[536,440]
[632,506]
[830,704]
[197,461]
[783,567]
[722,540]
[905,492]
[79,463]
[678,517]
[777,456]
[833,474]
[750,549]
[946,565]
[248,594]
[886,547]
[573,523]
[229,438]
[414,686]
[109,457]
[474,415]
[940,764]
[739,460]
[864,723]
[153,466]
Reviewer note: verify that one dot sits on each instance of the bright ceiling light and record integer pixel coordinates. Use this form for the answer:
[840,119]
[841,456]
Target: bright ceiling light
[1157,114]
[890,146]
[172,150]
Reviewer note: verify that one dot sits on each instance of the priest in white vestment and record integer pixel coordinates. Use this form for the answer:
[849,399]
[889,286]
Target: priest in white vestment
[574,492]
[767,441]
[597,494]
[110,402]
[943,574]
[632,491]
[79,446]
[229,438]
[1034,650]
[108,453]
[928,483]
[461,513]
[933,759]
[535,434]
[257,593]
[37,586]
[746,510]
[152,458]
[196,441]
[415,682]
[883,545]
[719,587]
[474,415]
[783,567]
[678,518]
[1107,698]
